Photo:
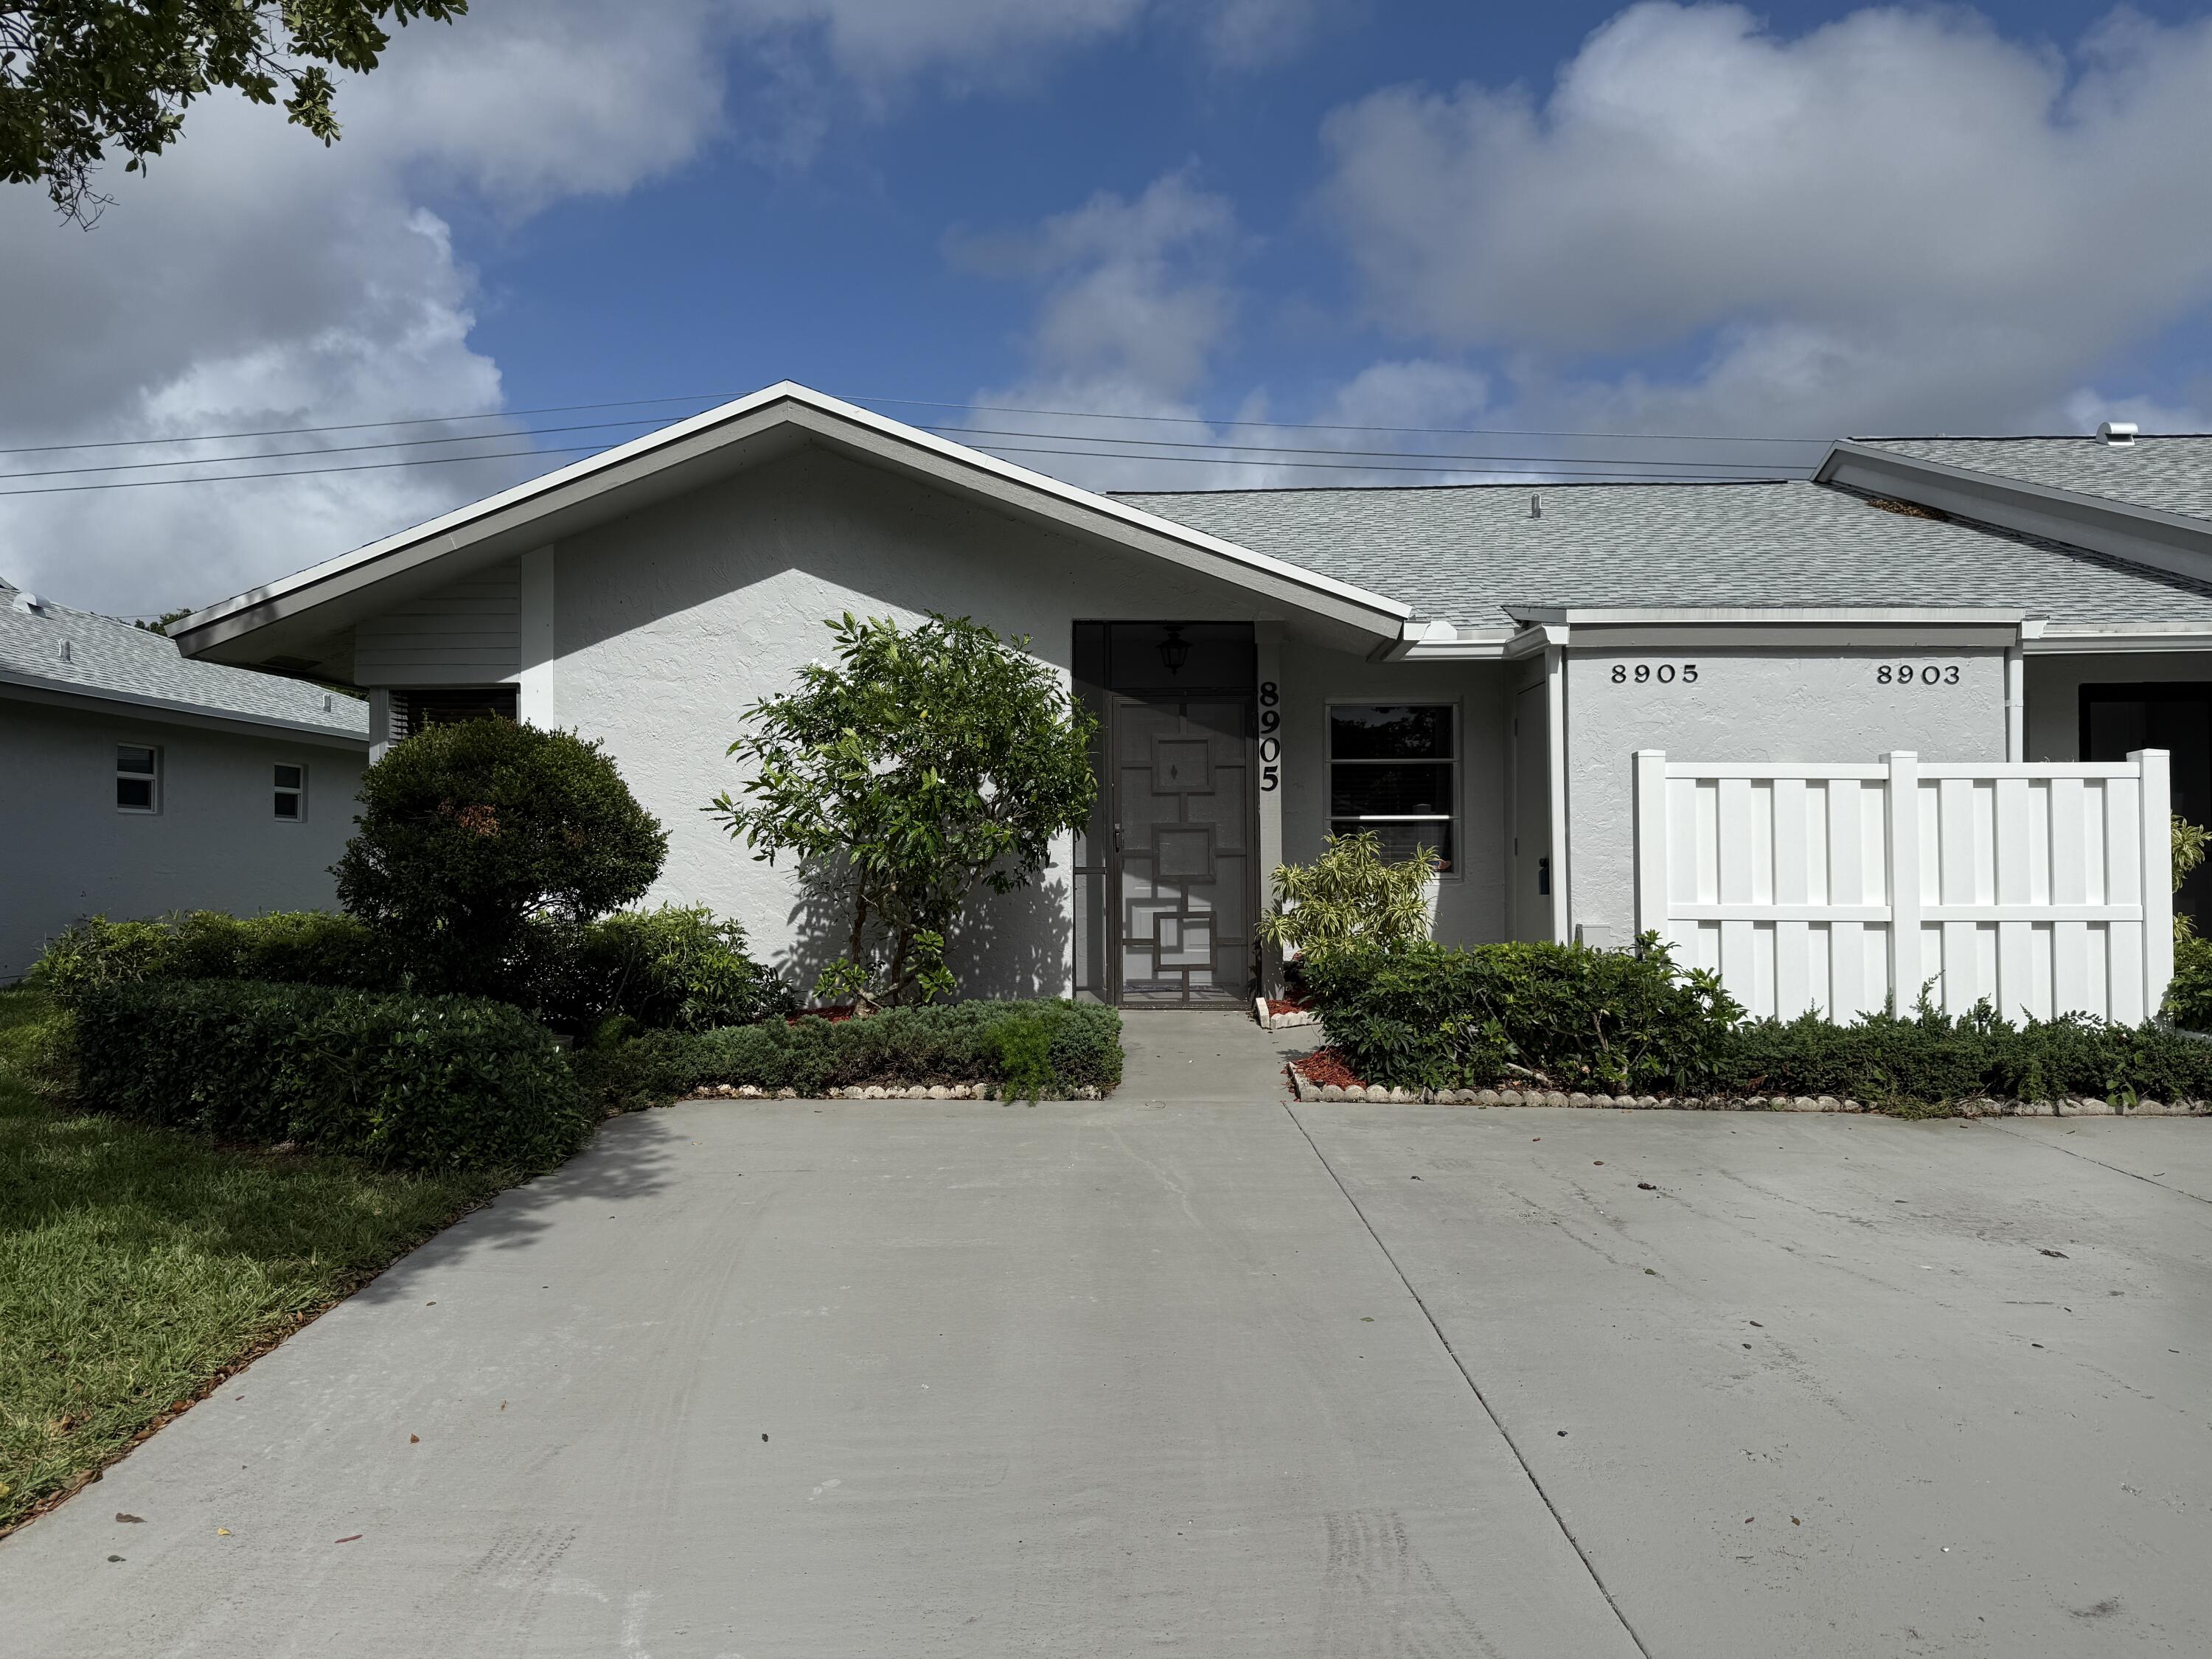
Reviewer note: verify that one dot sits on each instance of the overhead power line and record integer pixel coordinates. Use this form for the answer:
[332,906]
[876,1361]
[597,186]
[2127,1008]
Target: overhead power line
[1626,473]
[711,398]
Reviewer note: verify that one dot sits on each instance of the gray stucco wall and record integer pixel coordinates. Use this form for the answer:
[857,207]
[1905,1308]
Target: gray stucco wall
[1807,704]
[670,623]
[215,844]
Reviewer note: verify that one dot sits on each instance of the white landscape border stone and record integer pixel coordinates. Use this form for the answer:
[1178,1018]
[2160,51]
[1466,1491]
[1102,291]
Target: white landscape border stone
[2068,1107]
[878,1091]
[1275,1021]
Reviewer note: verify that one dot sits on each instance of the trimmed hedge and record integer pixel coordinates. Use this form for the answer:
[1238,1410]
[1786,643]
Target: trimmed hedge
[1427,1016]
[1928,1060]
[303,947]
[1436,1017]
[1039,1049]
[414,1082]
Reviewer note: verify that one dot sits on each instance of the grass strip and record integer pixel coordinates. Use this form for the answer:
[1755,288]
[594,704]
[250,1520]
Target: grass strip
[140,1265]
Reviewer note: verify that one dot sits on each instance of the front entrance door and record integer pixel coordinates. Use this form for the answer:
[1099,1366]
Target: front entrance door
[1531,815]
[1181,881]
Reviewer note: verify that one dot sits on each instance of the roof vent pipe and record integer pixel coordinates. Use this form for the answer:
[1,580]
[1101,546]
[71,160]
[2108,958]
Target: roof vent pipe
[2117,434]
[1535,506]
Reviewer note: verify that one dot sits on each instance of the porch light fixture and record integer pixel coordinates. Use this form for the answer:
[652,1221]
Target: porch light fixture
[1174,650]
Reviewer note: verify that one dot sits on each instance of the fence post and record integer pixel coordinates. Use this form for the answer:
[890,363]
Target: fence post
[2156,766]
[1651,868]
[1905,967]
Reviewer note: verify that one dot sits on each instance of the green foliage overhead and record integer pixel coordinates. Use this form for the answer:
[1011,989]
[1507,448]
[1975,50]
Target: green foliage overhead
[1039,1048]
[433,1083]
[918,768]
[78,78]
[470,832]
[1425,1016]
[1351,896]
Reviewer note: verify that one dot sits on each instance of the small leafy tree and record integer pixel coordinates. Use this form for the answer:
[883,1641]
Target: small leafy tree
[2189,842]
[1351,896]
[470,833]
[921,766]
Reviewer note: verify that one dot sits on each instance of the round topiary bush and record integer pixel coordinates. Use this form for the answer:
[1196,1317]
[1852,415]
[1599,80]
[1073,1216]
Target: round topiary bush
[470,833]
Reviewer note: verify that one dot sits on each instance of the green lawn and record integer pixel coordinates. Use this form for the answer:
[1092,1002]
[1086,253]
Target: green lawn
[137,1265]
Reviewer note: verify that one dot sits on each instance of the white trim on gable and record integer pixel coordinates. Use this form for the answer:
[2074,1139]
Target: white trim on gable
[332,595]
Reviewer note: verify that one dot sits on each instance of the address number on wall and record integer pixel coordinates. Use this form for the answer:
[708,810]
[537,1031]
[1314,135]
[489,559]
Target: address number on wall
[1665,673]
[1271,742]
[1926,674]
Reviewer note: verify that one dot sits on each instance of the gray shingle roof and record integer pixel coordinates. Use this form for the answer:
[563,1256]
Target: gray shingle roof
[114,659]
[2170,474]
[1465,553]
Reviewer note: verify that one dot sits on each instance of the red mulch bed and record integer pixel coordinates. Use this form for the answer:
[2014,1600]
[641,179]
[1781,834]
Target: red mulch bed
[1292,1006]
[1324,1067]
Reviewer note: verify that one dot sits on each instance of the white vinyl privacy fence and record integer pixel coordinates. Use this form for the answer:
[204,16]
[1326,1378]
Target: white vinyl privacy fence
[2044,887]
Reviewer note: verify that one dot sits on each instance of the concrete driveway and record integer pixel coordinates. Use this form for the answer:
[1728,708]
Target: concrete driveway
[1196,1371]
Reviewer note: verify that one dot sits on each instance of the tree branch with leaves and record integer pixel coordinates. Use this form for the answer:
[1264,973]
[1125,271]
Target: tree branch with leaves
[79,77]
[920,768]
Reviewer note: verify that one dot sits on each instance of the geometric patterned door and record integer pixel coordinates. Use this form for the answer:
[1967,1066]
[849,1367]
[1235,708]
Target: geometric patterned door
[1183,806]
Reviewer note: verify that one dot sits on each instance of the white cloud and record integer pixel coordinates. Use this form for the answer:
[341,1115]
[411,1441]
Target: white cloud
[256,280]
[1900,219]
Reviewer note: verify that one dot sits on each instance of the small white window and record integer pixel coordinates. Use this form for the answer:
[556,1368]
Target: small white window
[291,791]
[138,778]
[1393,770]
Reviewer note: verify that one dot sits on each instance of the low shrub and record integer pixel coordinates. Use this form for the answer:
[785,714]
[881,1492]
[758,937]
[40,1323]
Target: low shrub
[1039,1048]
[1427,1016]
[1928,1060]
[404,1081]
[676,968]
[2189,997]
[306,947]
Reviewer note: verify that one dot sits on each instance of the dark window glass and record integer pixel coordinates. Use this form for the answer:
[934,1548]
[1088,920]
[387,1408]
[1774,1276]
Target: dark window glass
[2172,715]
[1391,790]
[1391,775]
[128,759]
[288,804]
[288,777]
[418,710]
[1180,656]
[1391,732]
[138,769]
[137,794]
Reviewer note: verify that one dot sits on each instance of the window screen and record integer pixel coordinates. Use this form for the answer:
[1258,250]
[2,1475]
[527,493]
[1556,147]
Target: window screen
[138,778]
[1393,770]
[291,791]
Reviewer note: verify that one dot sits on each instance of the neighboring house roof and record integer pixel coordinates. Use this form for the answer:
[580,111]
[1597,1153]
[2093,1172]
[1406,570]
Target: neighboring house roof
[257,625]
[1472,554]
[112,663]
[2166,474]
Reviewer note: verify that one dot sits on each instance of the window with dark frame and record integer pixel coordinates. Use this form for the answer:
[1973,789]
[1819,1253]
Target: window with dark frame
[138,778]
[1393,770]
[291,792]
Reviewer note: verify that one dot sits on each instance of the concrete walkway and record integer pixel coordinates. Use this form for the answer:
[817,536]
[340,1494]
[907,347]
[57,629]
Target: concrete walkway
[1191,1370]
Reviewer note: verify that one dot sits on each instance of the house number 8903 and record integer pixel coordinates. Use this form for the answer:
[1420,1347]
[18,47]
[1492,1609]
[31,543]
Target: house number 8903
[1904,674]
[1643,673]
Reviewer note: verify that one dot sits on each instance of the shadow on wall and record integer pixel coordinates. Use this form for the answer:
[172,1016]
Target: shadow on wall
[1013,944]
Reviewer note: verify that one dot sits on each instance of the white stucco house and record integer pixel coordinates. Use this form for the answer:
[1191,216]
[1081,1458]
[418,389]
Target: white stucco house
[1475,668]
[135,780]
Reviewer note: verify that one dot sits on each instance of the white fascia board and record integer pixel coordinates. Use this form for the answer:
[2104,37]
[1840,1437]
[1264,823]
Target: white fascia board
[2173,541]
[1465,645]
[1534,638]
[785,402]
[2122,638]
[1780,617]
[102,700]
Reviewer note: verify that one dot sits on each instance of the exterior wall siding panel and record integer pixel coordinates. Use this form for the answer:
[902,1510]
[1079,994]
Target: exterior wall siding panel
[467,633]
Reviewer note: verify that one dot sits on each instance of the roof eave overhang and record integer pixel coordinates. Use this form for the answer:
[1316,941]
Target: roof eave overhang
[1707,627]
[697,452]
[128,705]
[2172,542]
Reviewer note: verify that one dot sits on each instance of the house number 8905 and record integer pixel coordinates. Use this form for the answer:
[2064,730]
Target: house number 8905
[1271,745]
[1643,673]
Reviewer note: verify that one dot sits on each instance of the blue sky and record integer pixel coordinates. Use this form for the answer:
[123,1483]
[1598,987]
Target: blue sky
[1794,219]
